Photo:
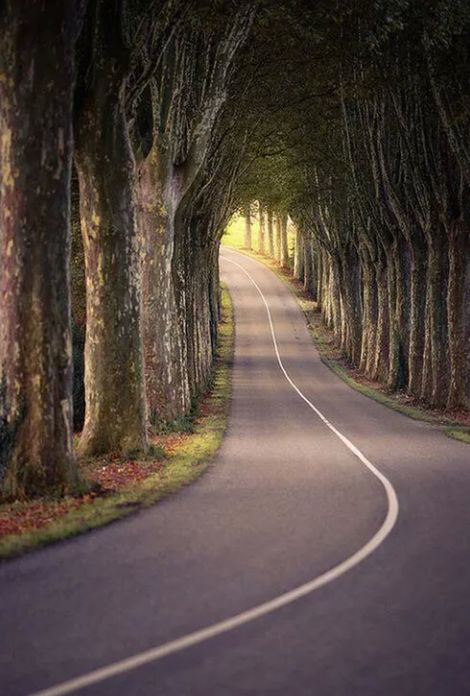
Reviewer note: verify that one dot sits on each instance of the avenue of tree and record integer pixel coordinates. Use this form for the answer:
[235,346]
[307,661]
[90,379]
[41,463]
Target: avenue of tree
[132,130]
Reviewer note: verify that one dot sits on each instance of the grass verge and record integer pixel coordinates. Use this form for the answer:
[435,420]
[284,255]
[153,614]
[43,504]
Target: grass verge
[125,484]
[330,355]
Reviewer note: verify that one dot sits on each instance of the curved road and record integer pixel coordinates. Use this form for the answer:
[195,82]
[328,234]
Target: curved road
[284,502]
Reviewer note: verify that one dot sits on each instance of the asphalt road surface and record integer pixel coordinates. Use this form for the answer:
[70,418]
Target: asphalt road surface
[289,502]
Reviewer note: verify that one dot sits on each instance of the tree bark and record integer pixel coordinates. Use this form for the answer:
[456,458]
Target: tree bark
[350,290]
[37,76]
[262,231]
[381,348]
[166,383]
[115,417]
[308,263]
[335,294]
[299,255]
[277,238]
[284,255]
[247,239]
[270,231]
[417,318]
[319,289]
[437,279]
[458,299]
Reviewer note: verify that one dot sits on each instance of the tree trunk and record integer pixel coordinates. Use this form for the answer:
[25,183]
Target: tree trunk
[284,257]
[166,383]
[299,255]
[393,338]
[335,294]
[214,295]
[247,240]
[270,230]
[115,417]
[458,301]
[308,265]
[367,310]
[262,231]
[381,348]
[326,301]
[37,75]
[277,235]
[318,256]
[181,269]
[438,277]
[350,290]
[417,318]
[401,264]
[198,317]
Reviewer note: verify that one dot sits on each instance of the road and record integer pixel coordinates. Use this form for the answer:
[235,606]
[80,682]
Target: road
[286,502]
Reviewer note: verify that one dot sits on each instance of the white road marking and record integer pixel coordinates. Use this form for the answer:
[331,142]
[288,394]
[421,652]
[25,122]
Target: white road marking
[244,617]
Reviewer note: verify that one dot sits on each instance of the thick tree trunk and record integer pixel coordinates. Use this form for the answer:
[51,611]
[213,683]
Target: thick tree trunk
[166,383]
[398,325]
[194,262]
[199,334]
[37,75]
[248,244]
[181,270]
[114,381]
[350,290]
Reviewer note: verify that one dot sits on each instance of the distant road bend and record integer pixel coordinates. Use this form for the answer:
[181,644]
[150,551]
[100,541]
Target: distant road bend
[251,581]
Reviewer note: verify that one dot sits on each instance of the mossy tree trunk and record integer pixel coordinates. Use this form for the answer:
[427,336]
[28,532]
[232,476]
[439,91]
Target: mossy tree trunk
[37,76]
[115,417]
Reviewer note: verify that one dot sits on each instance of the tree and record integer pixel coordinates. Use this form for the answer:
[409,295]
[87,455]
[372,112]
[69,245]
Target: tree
[37,68]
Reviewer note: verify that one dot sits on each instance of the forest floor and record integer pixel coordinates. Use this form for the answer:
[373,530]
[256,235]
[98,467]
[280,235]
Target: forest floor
[456,423]
[117,485]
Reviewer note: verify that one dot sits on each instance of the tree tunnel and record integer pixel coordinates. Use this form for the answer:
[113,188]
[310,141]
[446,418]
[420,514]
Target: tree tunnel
[132,131]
